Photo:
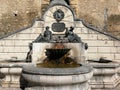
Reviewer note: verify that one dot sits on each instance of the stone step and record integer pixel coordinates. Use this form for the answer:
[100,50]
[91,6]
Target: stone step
[10,88]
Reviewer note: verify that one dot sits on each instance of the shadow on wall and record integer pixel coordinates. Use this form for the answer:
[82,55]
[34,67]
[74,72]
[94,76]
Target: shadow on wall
[23,83]
[10,23]
[2,75]
[114,22]
[90,20]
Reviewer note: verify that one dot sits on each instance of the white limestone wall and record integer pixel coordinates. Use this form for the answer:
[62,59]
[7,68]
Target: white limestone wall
[15,46]
[99,44]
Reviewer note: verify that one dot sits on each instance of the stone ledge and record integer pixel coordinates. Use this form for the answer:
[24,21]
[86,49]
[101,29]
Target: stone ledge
[105,75]
[1,88]
[56,71]
[11,74]
[105,65]
[13,64]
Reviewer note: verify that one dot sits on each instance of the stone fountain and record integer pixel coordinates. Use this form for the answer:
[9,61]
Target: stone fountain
[57,58]
[58,71]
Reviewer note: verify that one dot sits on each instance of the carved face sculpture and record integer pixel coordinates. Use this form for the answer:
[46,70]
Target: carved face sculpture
[58,15]
[57,18]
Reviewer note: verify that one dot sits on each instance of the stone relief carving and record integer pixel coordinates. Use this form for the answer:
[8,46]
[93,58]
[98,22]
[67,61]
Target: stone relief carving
[72,37]
[58,15]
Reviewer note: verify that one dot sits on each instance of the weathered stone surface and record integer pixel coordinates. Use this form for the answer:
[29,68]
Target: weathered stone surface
[18,14]
[1,88]
[105,45]
[105,75]
[82,86]
[11,75]
[33,69]
[39,51]
[11,46]
[57,78]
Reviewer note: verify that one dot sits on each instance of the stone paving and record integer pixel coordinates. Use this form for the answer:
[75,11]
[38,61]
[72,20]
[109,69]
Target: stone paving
[10,88]
[117,88]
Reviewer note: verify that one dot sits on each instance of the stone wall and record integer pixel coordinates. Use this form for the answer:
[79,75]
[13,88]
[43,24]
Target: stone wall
[17,14]
[100,45]
[16,47]
[100,13]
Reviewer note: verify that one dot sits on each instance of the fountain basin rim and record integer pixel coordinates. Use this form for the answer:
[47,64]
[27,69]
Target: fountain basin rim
[32,69]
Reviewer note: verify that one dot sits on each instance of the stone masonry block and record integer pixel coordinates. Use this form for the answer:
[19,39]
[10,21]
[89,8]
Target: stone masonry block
[93,56]
[9,42]
[38,30]
[107,56]
[25,36]
[16,71]
[97,56]
[84,30]
[15,78]
[4,70]
[103,37]
[107,49]
[12,77]
[22,42]
[16,42]
[117,43]
[117,56]
[28,30]
[78,30]
[1,49]
[2,42]
[83,36]
[10,37]
[17,56]
[32,30]
[92,36]
[88,36]
[99,43]
[7,78]
[91,31]
[92,50]
[38,24]
[22,36]
[118,49]
[79,24]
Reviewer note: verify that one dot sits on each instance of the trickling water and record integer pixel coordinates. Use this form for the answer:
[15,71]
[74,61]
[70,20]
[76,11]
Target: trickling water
[69,63]
[58,57]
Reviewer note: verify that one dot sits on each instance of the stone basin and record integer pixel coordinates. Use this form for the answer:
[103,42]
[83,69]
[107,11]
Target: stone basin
[10,74]
[56,53]
[42,77]
[105,75]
